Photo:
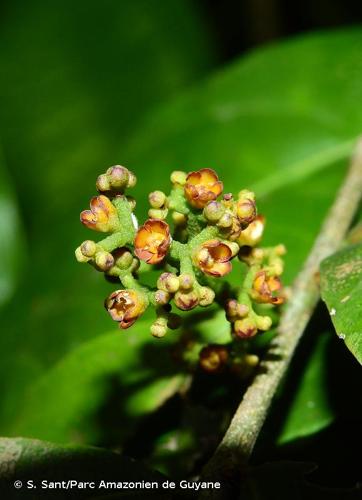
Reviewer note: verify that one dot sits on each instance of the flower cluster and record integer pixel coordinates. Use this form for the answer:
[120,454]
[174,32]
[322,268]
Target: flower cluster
[194,237]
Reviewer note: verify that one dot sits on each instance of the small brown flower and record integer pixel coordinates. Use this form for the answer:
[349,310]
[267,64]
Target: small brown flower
[102,216]
[202,186]
[213,258]
[125,306]
[186,300]
[245,328]
[265,289]
[213,358]
[152,241]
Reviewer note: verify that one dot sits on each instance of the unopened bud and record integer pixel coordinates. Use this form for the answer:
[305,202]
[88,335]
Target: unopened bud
[186,281]
[168,282]
[246,208]
[123,258]
[178,177]
[132,180]
[103,184]
[245,328]
[186,300]
[206,296]
[104,260]
[80,256]
[213,211]
[132,202]
[159,327]
[162,297]
[158,213]
[263,323]
[88,248]
[226,220]
[179,219]
[118,177]
[157,199]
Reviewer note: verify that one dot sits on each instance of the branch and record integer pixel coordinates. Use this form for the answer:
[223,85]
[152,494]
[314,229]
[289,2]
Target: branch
[237,445]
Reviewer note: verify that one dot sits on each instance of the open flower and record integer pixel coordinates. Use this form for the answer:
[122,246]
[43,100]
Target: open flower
[202,186]
[213,257]
[152,241]
[102,216]
[125,306]
[252,235]
[265,289]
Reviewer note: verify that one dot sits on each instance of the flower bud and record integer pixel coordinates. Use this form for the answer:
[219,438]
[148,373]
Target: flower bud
[80,256]
[178,177]
[235,310]
[226,220]
[265,289]
[159,327]
[246,208]
[88,248]
[132,202]
[263,323]
[104,260]
[118,177]
[213,358]
[213,211]
[122,258]
[206,296]
[103,184]
[179,219]
[245,328]
[135,265]
[162,297]
[186,281]
[168,282]
[186,300]
[132,180]
[157,199]
[158,213]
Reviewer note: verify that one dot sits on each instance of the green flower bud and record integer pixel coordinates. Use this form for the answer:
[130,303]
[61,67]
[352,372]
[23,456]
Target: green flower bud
[213,211]
[158,213]
[226,220]
[159,327]
[245,328]
[206,296]
[80,256]
[186,281]
[118,177]
[186,300]
[123,258]
[132,180]
[103,184]
[178,177]
[263,323]
[88,248]
[104,260]
[179,219]
[168,282]
[157,199]
[162,297]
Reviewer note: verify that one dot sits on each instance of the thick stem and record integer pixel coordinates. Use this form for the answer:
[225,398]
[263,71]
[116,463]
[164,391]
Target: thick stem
[236,447]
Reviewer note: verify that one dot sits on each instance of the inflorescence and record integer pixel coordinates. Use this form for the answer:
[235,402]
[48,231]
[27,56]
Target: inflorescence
[193,253]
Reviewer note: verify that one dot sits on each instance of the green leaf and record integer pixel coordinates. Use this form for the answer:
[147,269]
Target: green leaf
[310,409]
[11,238]
[29,459]
[76,79]
[341,289]
[84,378]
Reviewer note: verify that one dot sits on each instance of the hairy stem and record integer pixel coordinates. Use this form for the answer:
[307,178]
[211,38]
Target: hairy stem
[236,447]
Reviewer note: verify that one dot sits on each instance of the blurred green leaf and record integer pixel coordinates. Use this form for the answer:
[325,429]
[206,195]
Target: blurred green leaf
[75,79]
[123,362]
[341,289]
[29,459]
[311,409]
[12,241]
